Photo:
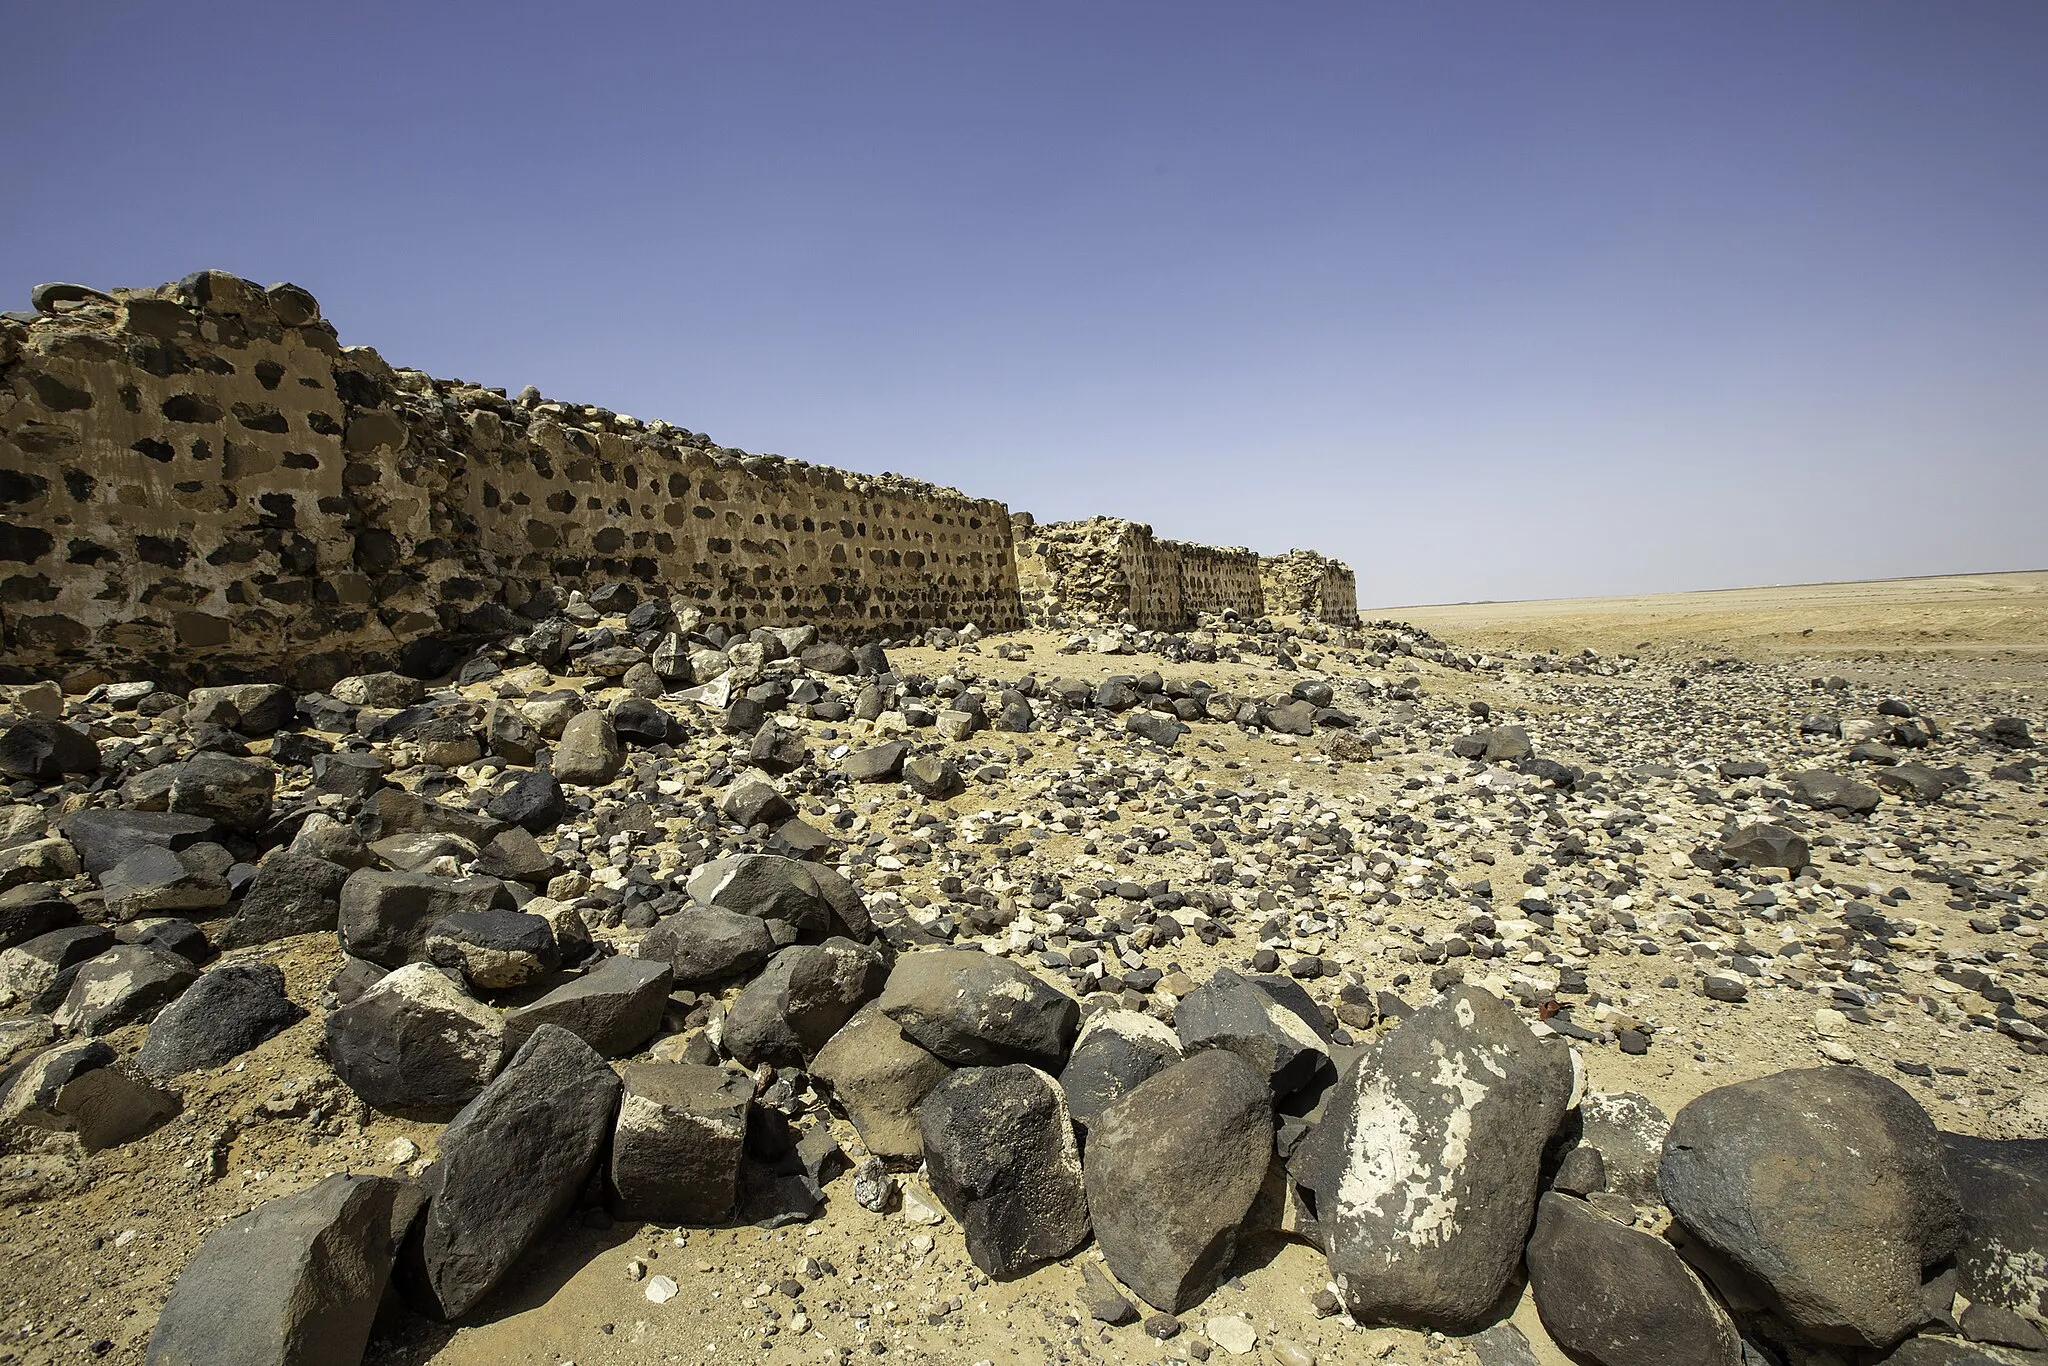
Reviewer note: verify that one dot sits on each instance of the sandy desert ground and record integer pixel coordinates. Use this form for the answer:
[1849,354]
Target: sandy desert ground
[1977,620]
[90,1261]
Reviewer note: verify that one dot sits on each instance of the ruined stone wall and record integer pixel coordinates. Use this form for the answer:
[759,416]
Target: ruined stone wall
[184,474]
[1073,572]
[565,494]
[198,480]
[1109,570]
[1303,583]
[1215,579]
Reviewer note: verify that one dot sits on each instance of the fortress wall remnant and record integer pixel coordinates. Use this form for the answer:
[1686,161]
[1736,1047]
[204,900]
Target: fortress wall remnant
[199,481]
[1311,585]
[1216,579]
[1109,570]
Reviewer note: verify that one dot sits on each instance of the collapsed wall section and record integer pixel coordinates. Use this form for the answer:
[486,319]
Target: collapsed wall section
[1301,582]
[199,481]
[1109,570]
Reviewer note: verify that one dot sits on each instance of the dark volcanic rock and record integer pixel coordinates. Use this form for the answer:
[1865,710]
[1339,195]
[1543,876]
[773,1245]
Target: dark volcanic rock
[223,1015]
[1825,1184]
[415,1045]
[511,1166]
[46,751]
[126,984]
[1615,1296]
[32,910]
[385,917]
[755,801]
[1628,1132]
[973,1009]
[296,1280]
[800,1000]
[616,1007]
[292,893]
[1001,1156]
[1424,1171]
[706,944]
[769,887]
[676,1151]
[1831,791]
[879,764]
[1767,846]
[1173,1169]
[104,837]
[1117,1051]
[1271,1022]
[880,1078]
[80,1088]
[235,792]
[2003,1186]
[494,950]
[533,802]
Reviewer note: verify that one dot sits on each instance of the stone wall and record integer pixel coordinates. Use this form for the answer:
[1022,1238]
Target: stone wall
[1216,579]
[1107,569]
[198,480]
[1303,583]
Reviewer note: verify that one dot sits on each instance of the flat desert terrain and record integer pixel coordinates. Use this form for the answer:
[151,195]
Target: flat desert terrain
[1964,616]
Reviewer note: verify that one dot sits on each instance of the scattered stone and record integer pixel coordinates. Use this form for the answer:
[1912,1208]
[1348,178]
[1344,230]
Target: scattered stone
[1823,790]
[879,764]
[236,793]
[1172,1169]
[1839,1234]
[589,753]
[770,887]
[295,1280]
[1002,1160]
[1767,846]
[223,1015]
[1425,1169]
[291,894]
[1105,1302]
[153,880]
[104,837]
[511,1166]
[1233,1334]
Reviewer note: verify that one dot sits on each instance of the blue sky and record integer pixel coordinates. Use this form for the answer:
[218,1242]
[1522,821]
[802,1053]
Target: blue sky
[1493,300]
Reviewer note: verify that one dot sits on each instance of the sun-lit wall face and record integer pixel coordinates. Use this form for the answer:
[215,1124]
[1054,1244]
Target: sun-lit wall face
[199,480]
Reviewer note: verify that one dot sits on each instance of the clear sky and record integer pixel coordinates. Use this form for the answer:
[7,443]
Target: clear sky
[1493,300]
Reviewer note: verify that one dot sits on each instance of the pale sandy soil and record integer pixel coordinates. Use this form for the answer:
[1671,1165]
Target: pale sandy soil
[88,1269]
[1963,615]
